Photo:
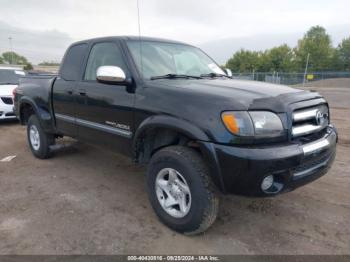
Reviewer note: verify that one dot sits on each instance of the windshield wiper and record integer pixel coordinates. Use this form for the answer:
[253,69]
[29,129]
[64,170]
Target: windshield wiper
[213,75]
[174,76]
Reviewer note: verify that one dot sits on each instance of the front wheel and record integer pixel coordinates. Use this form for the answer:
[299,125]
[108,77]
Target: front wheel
[39,141]
[181,191]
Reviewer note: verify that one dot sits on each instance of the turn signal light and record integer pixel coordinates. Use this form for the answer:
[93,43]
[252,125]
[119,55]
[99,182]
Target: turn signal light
[230,122]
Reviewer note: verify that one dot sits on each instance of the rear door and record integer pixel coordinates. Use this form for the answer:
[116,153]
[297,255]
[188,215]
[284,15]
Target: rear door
[64,89]
[104,112]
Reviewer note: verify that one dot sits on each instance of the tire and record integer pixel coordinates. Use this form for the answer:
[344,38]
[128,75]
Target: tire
[200,208]
[40,144]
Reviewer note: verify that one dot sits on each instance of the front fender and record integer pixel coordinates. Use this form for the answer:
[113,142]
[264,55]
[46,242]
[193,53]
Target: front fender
[173,123]
[191,131]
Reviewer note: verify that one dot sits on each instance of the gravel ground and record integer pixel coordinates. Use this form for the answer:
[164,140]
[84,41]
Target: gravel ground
[89,201]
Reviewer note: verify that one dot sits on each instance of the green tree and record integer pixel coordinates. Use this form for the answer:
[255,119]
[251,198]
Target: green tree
[279,59]
[343,54]
[14,58]
[317,43]
[244,61]
[28,66]
[49,63]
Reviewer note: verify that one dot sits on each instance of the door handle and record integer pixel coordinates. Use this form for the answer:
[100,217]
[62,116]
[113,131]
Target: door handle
[82,92]
[69,91]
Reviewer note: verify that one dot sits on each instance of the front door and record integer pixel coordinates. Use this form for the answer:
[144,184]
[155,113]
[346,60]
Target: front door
[104,112]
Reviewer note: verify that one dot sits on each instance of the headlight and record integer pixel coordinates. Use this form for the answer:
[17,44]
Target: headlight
[266,124]
[255,123]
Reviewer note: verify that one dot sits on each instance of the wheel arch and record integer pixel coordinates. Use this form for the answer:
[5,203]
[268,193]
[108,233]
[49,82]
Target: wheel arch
[164,123]
[160,131]
[27,107]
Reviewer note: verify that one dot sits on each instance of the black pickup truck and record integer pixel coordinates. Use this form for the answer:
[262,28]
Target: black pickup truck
[168,105]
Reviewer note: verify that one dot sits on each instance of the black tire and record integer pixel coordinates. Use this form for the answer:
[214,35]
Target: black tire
[205,201]
[46,140]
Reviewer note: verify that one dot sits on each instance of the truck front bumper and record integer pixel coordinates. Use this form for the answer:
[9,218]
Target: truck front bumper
[242,170]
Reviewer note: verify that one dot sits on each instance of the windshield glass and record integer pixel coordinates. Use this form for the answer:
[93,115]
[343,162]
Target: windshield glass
[8,77]
[159,58]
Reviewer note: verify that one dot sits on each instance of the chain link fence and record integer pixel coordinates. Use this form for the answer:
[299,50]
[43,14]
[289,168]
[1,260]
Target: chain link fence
[293,78]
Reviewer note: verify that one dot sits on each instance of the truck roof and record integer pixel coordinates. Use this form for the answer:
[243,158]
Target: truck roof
[135,38]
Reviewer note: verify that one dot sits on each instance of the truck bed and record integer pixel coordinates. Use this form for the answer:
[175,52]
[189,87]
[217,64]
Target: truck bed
[38,86]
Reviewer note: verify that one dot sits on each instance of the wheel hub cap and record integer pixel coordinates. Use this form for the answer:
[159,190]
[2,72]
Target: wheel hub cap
[34,137]
[173,192]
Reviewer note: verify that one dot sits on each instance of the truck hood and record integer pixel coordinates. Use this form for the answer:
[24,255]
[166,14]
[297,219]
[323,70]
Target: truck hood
[6,90]
[201,102]
[241,94]
[228,87]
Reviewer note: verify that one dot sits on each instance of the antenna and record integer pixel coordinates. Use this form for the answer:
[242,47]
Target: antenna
[140,39]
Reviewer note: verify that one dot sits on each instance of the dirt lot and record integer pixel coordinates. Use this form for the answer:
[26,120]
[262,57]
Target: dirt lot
[89,201]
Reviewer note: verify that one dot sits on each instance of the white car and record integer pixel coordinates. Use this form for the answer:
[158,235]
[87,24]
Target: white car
[9,78]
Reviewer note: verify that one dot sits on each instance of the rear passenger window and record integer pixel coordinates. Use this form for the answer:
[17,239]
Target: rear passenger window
[73,60]
[103,54]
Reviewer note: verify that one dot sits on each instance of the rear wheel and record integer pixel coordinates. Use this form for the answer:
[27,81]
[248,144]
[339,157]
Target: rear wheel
[39,141]
[181,191]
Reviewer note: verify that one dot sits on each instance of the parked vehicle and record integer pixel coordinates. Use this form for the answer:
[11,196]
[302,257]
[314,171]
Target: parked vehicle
[9,78]
[168,105]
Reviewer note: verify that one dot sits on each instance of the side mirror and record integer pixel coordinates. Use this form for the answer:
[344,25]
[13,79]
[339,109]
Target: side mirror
[111,74]
[228,72]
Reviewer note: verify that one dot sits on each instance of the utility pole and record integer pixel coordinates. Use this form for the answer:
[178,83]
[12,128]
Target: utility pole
[11,49]
[306,67]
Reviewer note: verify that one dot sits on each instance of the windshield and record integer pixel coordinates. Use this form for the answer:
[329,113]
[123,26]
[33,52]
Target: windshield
[8,77]
[159,58]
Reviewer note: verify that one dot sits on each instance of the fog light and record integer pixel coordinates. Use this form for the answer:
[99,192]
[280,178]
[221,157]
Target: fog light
[267,183]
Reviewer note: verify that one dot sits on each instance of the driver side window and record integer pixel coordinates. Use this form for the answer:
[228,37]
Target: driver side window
[103,54]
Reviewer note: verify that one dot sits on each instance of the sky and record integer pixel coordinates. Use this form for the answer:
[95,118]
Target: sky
[42,29]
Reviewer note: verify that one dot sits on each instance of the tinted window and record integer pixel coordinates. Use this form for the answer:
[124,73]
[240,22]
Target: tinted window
[70,69]
[103,54]
[10,76]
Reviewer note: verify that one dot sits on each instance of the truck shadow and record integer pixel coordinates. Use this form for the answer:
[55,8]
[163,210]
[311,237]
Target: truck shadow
[9,122]
[66,147]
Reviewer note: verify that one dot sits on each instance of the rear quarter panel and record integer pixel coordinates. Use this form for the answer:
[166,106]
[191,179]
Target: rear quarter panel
[36,92]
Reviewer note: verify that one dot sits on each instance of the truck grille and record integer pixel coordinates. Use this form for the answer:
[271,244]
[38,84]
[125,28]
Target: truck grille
[7,100]
[311,120]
